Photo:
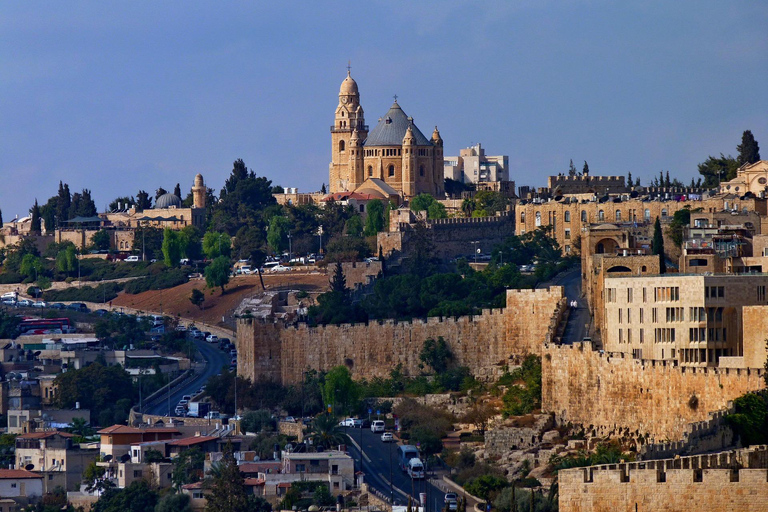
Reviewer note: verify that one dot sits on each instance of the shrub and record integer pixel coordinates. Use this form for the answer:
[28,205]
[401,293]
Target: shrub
[102,293]
[161,281]
[10,277]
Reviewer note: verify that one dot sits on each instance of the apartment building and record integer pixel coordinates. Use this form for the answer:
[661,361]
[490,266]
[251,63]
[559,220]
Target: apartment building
[696,320]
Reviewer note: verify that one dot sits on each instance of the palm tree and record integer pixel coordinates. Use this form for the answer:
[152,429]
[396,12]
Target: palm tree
[468,206]
[327,432]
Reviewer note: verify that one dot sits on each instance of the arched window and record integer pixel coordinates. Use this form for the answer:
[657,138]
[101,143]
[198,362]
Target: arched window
[421,170]
[664,212]
[391,171]
[341,145]
[522,216]
[538,219]
[647,214]
[567,217]
[370,170]
[342,113]
[618,215]
[601,215]
[583,215]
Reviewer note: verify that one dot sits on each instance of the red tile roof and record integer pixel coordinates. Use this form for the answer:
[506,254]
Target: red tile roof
[253,481]
[125,429]
[255,467]
[14,474]
[284,485]
[189,441]
[45,435]
[196,485]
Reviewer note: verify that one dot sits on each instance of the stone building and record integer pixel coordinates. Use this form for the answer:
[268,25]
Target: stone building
[474,166]
[695,320]
[750,178]
[394,151]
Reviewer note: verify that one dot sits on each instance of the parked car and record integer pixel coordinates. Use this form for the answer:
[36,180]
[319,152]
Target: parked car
[101,312]
[360,423]
[131,259]
[78,306]
[387,437]
[349,422]
[40,304]
[377,426]
[451,501]
[9,302]
[280,268]
[212,338]
[24,303]
[57,305]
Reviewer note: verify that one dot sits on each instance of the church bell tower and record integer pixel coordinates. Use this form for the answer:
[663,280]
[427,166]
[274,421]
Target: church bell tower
[344,172]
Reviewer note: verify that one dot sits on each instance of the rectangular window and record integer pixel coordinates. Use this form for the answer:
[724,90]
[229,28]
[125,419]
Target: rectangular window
[629,335]
[621,335]
[642,335]
[644,297]
[629,295]
[761,293]
[567,234]
[641,315]
[654,315]
[620,315]
[629,316]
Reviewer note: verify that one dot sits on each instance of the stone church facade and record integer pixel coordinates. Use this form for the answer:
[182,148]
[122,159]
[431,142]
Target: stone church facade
[395,151]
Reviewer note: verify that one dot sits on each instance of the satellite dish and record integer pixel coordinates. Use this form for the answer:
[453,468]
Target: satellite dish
[18,376]
[125,458]
[107,458]
[37,353]
[289,447]
[29,467]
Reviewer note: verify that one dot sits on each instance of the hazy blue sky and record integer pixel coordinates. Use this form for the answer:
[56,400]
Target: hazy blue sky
[122,96]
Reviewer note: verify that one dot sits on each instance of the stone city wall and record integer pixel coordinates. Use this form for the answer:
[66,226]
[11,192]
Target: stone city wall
[485,343]
[729,481]
[615,395]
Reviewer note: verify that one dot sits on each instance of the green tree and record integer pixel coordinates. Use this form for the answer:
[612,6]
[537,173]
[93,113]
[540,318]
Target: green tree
[197,297]
[257,421]
[216,244]
[99,388]
[436,354]
[35,223]
[31,265]
[187,467]
[354,226]
[82,205]
[137,497]
[657,245]
[339,281]
[421,202]
[374,221]
[63,203]
[189,239]
[277,234]
[217,273]
[326,432]
[486,486]
[171,247]
[174,503]
[437,211]
[714,170]
[340,390]
[143,201]
[585,169]
[228,490]
[66,259]
[749,150]
[571,169]
[100,240]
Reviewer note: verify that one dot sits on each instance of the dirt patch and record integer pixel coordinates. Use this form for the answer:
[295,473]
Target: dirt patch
[175,301]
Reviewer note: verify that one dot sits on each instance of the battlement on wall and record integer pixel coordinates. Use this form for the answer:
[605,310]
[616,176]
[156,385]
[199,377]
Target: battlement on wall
[469,221]
[599,180]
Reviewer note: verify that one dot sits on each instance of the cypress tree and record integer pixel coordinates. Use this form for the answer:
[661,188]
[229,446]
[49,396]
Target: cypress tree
[36,227]
[749,150]
[339,282]
[657,245]
[585,170]
[177,190]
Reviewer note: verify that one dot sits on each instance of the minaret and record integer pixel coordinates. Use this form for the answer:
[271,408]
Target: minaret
[409,162]
[198,192]
[349,116]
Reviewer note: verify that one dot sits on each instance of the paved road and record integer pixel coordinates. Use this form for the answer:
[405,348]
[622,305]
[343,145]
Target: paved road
[215,360]
[579,319]
[380,461]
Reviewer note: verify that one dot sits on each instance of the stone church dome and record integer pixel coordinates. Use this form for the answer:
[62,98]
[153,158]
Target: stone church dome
[167,201]
[348,86]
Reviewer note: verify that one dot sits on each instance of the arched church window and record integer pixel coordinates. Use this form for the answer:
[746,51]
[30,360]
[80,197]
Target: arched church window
[341,145]
[391,171]
[601,215]
[538,219]
[583,215]
[567,216]
[370,171]
[618,215]
[421,170]
[342,113]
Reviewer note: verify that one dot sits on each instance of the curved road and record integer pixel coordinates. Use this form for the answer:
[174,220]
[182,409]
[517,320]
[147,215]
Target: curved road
[215,361]
[377,468]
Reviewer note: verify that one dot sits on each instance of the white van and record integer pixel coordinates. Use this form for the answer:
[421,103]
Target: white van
[245,270]
[415,469]
[132,259]
[377,426]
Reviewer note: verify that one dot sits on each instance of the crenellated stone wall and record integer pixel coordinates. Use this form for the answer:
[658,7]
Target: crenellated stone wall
[485,343]
[639,400]
[720,482]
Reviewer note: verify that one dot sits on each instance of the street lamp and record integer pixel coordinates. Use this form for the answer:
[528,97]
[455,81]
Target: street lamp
[290,248]
[475,242]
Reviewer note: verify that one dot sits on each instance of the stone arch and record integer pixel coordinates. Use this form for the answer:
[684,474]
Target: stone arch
[341,145]
[606,246]
[618,268]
